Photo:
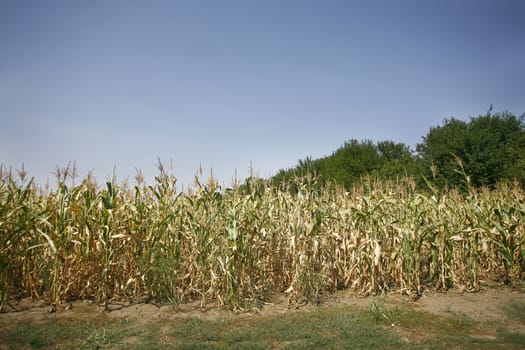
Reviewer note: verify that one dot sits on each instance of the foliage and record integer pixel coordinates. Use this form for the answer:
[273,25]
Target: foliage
[347,165]
[239,246]
[489,148]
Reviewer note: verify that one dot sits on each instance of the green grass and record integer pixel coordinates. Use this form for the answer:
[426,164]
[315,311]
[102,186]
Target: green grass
[330,327]
[96,333]
[313,330]
[517,311]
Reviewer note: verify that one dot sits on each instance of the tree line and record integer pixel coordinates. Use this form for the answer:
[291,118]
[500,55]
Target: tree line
[480,152]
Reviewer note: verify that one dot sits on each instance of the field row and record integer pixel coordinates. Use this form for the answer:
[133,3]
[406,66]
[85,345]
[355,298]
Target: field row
[237,247]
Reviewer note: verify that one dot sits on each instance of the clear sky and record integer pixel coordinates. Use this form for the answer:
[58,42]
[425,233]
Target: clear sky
[225,83]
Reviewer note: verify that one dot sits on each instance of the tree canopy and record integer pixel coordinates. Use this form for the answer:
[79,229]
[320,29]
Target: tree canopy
[355,159]
[487,149]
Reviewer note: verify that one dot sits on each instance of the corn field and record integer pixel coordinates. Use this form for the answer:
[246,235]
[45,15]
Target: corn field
[238,247]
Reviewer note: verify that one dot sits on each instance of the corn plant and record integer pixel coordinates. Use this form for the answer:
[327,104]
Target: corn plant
[15,215]
[237,247]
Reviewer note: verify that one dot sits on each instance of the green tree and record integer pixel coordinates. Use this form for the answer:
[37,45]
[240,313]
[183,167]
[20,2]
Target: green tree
[355,159]
[489,148]
[351,161]
[396,160]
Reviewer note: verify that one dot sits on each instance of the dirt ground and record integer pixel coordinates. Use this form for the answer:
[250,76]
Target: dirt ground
[489,306]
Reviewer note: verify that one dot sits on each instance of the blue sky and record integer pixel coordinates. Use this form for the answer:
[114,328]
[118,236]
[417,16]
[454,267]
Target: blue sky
[222,84]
